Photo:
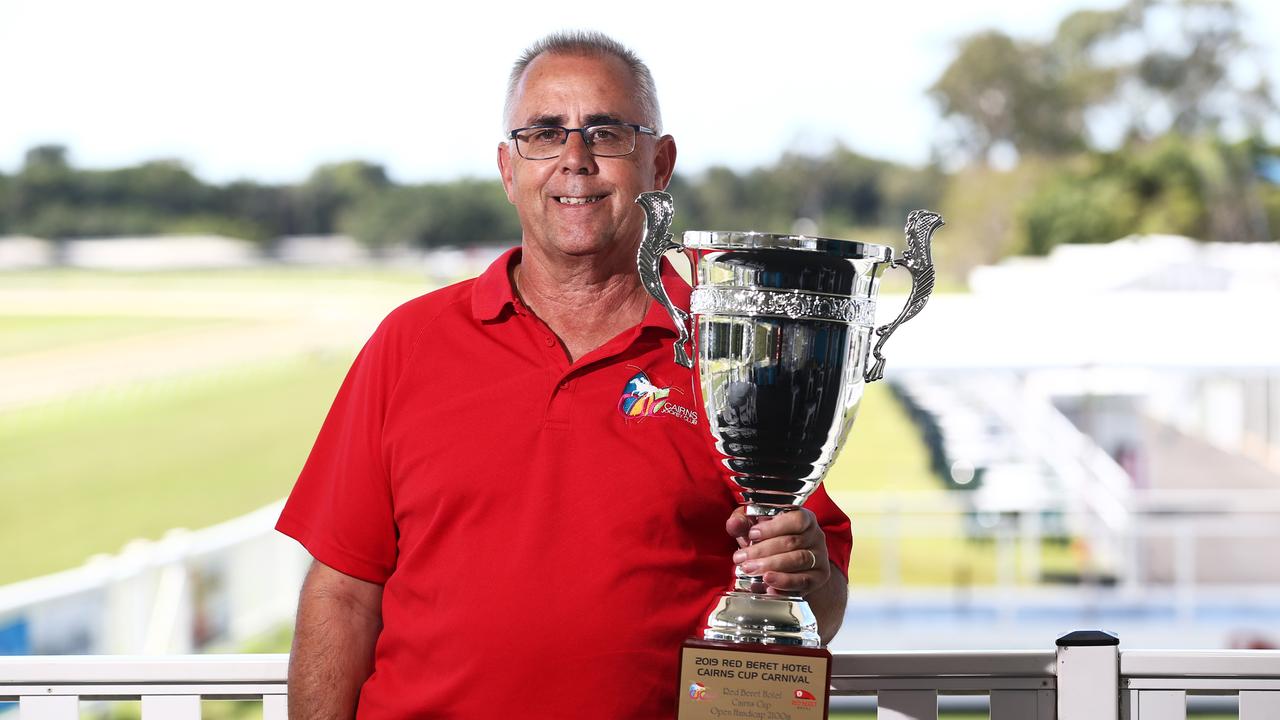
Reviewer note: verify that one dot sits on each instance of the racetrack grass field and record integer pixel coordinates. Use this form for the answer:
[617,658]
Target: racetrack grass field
[21,334]
[87,474]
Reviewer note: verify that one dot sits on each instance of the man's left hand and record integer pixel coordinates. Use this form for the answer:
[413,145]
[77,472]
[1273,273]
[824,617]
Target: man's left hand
[789,550]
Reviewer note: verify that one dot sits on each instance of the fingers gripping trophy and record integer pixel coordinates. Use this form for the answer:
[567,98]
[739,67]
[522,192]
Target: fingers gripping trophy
[779,333]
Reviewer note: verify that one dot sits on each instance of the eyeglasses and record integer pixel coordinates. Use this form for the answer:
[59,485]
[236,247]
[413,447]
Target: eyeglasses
[544,142]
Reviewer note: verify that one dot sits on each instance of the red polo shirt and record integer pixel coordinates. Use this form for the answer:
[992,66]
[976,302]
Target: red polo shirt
[547,533]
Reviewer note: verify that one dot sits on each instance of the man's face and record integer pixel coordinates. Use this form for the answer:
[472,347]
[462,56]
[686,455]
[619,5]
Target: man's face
[575,91]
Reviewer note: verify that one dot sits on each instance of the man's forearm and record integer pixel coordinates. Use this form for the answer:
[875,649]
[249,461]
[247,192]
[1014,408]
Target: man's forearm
[339,619]
[828,603]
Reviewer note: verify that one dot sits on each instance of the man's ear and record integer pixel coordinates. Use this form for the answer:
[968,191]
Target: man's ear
[504,169]
[664,162]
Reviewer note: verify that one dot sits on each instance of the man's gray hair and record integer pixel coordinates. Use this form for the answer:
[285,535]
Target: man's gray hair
[589,44]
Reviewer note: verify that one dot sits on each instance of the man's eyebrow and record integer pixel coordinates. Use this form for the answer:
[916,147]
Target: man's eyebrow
[602,119]
[546,120]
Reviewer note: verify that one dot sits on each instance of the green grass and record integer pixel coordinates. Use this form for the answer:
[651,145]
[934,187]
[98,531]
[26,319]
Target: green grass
[21,334]
[274,278]
[88,474]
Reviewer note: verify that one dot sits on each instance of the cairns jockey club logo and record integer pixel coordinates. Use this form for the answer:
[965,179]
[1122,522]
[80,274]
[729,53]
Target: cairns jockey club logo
[641,398]
[697,691]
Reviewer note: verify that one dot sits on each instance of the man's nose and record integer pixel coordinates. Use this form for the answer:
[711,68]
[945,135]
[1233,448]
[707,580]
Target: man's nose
[576,157]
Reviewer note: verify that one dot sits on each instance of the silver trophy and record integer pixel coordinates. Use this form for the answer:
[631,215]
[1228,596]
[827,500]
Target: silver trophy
[782,328]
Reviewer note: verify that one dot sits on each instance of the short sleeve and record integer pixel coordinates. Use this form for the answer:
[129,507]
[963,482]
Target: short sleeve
[835,524]
[341,506]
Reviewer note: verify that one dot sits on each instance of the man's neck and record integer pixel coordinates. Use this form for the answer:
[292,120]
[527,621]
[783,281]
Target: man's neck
[583,301]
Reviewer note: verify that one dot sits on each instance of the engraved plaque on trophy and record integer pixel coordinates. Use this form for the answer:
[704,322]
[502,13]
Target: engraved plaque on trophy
[779,333]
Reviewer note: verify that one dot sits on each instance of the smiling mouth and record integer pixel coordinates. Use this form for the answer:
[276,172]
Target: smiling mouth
[565,200]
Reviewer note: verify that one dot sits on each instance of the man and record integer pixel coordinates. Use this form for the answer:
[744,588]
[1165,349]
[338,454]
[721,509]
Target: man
[513,504]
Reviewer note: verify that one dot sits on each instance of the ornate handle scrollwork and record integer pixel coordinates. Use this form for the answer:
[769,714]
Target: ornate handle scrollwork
[918,260]
[659,208]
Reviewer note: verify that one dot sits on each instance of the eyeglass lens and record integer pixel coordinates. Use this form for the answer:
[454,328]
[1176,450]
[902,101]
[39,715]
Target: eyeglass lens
[603,140]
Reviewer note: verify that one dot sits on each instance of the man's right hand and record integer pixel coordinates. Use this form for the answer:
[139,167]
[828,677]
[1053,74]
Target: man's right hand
[339,618]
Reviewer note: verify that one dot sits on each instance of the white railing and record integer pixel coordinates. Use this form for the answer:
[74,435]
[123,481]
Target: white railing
[191,590]
[223,586]
[51,687]
[1086,677]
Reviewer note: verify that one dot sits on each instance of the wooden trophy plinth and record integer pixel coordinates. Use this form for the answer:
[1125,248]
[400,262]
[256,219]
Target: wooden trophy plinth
[721,679]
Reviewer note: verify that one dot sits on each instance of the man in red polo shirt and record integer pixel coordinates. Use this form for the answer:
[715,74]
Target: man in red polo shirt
[514,505]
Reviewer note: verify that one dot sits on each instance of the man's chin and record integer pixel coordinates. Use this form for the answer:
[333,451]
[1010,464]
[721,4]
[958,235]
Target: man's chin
[584,245]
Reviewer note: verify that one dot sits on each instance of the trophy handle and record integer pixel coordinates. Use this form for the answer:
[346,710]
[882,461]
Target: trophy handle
[659,208]
[918,260]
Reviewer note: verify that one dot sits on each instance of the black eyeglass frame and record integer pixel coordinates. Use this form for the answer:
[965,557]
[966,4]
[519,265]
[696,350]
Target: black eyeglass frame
[639,130]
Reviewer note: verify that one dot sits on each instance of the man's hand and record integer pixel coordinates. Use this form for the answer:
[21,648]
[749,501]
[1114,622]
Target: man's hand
[790,551]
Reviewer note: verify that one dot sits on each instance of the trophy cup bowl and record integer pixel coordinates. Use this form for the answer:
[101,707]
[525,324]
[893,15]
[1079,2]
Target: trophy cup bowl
[779,333]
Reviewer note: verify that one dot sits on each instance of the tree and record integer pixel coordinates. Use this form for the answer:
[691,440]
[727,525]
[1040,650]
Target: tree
[1149,66]
[460,213]
[6,202]
[1196,71]
[331,189]
[1000,92]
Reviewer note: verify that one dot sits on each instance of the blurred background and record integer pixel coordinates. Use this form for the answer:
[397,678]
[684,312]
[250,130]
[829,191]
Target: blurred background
[205,210]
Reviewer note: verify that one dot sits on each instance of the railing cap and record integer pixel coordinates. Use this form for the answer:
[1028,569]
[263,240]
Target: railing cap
[1088,638]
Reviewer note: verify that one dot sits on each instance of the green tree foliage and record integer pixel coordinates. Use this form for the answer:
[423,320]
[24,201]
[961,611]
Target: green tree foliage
[982,206]
[1119,122]
[1023,95]
[331,189]
[1196,73]
[1202,188]
[464,212]
[840,192]
[1149,67]
[6,203]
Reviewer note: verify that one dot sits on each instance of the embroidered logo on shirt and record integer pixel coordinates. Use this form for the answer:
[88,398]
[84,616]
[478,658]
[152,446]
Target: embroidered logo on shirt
[642,399]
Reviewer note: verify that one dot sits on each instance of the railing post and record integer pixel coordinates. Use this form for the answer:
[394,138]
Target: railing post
[1088,676]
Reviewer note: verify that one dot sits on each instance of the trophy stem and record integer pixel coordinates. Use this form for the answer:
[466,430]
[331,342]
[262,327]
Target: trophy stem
[749,614]
[744,582]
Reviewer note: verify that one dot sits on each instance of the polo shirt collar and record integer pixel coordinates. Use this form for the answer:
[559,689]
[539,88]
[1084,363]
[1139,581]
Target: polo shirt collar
[493,292]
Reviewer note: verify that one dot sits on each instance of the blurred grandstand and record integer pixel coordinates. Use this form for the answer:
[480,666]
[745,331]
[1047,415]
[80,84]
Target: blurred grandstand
[1123,399]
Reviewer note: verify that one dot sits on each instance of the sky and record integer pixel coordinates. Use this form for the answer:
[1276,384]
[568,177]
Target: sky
[269,89]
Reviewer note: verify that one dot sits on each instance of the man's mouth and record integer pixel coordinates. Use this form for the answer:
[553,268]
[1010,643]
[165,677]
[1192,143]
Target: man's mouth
[566,200]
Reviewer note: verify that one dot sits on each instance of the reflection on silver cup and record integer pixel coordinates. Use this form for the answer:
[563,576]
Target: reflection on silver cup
[781,331]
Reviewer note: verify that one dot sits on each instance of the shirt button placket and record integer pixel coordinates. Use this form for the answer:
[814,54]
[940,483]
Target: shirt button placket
[561,410]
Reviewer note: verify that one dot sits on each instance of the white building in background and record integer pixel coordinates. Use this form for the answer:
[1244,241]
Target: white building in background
[1185,331]
[1164,352]
[1156,263]
[320,250]
[160,252]
[23,252]
[449,265]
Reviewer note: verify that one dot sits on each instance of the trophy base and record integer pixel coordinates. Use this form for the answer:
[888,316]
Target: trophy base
[742,617]
[720,679]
